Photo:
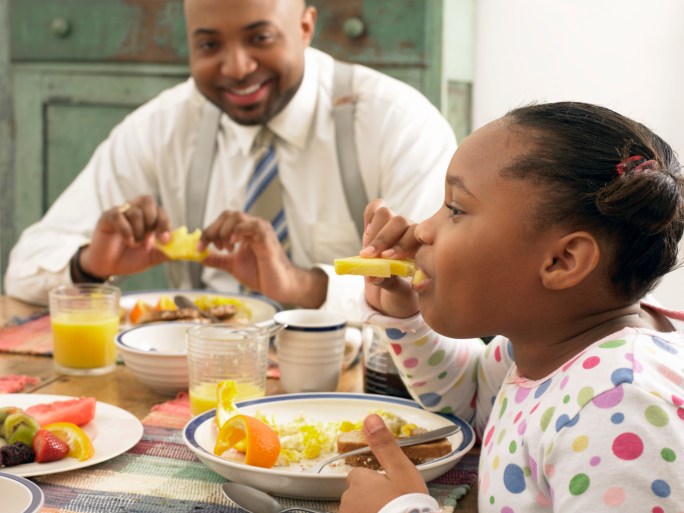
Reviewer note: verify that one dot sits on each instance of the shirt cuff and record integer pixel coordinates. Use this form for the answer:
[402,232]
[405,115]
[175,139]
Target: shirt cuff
[418,502]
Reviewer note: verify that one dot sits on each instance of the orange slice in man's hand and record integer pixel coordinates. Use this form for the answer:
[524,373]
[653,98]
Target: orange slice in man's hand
[260,441]
[183,245]
[79,444]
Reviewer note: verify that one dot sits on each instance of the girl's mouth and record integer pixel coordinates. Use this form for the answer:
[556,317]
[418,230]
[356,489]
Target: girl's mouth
[420,280]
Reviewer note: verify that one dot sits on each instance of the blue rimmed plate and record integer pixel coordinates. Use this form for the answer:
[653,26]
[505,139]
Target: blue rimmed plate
[294,481]
[19,495]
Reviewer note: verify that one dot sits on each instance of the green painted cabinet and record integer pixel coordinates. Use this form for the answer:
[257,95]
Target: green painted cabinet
[78,67]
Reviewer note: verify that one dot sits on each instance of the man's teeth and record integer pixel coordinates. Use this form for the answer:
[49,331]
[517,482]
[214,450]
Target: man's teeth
[247,90]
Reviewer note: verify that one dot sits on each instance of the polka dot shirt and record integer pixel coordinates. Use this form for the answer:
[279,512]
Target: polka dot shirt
[603,433]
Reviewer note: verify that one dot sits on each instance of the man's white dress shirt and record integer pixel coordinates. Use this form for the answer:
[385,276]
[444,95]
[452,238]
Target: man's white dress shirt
[403,144]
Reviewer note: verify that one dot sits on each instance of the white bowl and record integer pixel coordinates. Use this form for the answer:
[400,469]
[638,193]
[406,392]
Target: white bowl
[157,355]
[19,495]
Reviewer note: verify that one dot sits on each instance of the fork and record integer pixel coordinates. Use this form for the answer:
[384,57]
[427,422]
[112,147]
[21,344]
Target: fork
[429,436]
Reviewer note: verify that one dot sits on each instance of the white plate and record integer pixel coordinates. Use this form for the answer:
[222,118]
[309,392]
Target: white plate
[113,431]
[263,309]
[19,495]
[200,436]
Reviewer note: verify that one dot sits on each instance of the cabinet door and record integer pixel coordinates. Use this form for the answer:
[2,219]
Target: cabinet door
[402,38]
[63,113]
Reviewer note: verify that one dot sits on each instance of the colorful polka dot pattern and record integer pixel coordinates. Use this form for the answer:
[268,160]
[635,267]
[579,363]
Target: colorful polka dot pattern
[602,434]
[442,375]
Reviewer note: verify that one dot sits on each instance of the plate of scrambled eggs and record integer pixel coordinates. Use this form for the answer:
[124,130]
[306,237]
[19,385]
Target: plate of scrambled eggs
[308,426]
[249,308]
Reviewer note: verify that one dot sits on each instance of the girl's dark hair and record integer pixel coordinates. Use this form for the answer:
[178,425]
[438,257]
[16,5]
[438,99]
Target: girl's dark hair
[634,205]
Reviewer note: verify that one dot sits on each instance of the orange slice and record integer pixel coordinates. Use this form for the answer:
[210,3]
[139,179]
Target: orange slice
[80,445]
[183,245]
[226,392]
[140,308]
[261,442]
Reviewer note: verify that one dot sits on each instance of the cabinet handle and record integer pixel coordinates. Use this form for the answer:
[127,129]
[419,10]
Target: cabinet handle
[354,27]
[60,27]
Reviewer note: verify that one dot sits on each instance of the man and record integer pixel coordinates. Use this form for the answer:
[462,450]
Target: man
[250,58]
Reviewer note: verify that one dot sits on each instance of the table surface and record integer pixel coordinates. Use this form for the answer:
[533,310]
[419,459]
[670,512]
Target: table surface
[121,388]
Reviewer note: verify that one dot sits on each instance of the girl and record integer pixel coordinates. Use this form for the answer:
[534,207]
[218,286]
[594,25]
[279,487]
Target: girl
[557,220]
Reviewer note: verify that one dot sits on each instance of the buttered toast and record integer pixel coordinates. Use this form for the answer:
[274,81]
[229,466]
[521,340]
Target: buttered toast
[416,453]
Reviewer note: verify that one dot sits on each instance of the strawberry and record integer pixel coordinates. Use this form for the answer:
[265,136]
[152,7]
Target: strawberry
[48,447]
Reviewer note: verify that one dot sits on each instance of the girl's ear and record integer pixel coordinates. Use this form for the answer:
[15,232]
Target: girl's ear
[571,259]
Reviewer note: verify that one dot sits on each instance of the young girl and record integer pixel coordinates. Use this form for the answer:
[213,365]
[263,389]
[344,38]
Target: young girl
[557,220]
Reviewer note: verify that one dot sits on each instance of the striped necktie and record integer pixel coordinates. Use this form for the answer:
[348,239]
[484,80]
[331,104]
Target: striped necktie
[264,191]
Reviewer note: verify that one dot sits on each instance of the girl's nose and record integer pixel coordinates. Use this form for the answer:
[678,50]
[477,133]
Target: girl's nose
[237,63]
[424,231]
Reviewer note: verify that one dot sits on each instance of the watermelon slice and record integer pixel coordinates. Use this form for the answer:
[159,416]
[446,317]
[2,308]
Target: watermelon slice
[78,411]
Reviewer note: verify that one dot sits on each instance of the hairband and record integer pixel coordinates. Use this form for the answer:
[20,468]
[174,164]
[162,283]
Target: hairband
[644,165]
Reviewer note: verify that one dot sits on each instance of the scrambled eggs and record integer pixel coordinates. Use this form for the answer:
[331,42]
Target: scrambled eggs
[307,439]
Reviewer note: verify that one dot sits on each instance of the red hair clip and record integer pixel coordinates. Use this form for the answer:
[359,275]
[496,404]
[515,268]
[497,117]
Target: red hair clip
[625,166]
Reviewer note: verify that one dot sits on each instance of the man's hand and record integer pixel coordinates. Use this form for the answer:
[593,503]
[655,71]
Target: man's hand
[368,491]
[389,236]
[257,260]
[123,241]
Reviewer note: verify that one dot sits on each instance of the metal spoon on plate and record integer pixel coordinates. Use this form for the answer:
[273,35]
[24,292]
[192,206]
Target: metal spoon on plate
[256,501]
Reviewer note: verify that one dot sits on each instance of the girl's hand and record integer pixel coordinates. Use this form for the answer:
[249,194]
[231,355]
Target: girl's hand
[368,491]
[389,236]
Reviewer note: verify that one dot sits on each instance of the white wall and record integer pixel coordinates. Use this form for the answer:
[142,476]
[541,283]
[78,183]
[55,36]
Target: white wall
[625,54]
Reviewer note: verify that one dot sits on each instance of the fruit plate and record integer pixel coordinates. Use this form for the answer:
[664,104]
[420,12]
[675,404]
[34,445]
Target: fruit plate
[263,309]
[19,495]
[295,481]
[113,431]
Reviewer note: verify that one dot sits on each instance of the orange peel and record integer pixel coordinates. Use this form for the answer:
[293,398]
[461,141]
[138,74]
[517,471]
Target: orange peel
[258,440]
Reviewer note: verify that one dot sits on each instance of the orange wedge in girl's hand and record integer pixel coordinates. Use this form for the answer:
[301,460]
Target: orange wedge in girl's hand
[80,445]
[255,438]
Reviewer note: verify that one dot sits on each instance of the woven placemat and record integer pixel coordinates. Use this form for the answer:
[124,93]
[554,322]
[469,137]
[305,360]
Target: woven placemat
[161,475]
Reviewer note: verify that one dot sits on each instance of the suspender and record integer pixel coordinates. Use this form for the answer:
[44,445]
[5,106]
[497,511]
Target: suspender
[198,180]
[344,103]
[344,106]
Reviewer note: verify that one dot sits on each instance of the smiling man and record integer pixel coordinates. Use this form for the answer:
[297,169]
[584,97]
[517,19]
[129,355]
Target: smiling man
[273,101]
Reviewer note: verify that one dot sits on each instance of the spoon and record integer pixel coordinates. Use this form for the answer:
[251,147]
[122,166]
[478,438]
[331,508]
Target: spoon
[255,501]
[429,436]
[185,302]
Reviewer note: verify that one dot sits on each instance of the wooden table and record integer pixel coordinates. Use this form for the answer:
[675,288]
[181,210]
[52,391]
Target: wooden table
[121,388]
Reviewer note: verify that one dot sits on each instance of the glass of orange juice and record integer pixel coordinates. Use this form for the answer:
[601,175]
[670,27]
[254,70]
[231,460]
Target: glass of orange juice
[85,321]
[218,352]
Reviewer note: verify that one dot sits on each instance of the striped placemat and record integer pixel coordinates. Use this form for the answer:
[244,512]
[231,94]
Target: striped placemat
[161,475]
[31,335]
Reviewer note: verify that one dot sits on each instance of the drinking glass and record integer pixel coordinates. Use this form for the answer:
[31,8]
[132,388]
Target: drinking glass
[85,321]
[219,352]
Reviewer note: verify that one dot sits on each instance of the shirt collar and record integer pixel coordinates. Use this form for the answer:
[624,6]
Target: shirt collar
[293,123]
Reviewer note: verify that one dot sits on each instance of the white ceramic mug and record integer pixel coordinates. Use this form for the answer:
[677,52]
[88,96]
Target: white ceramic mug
[310,350]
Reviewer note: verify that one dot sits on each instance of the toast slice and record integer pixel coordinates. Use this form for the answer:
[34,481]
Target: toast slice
[416,453]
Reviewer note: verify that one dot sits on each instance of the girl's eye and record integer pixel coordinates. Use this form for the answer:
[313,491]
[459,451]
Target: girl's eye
[454,211]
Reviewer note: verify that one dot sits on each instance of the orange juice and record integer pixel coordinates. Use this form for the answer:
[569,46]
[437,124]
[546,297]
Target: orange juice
[203,396]
[85,340]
